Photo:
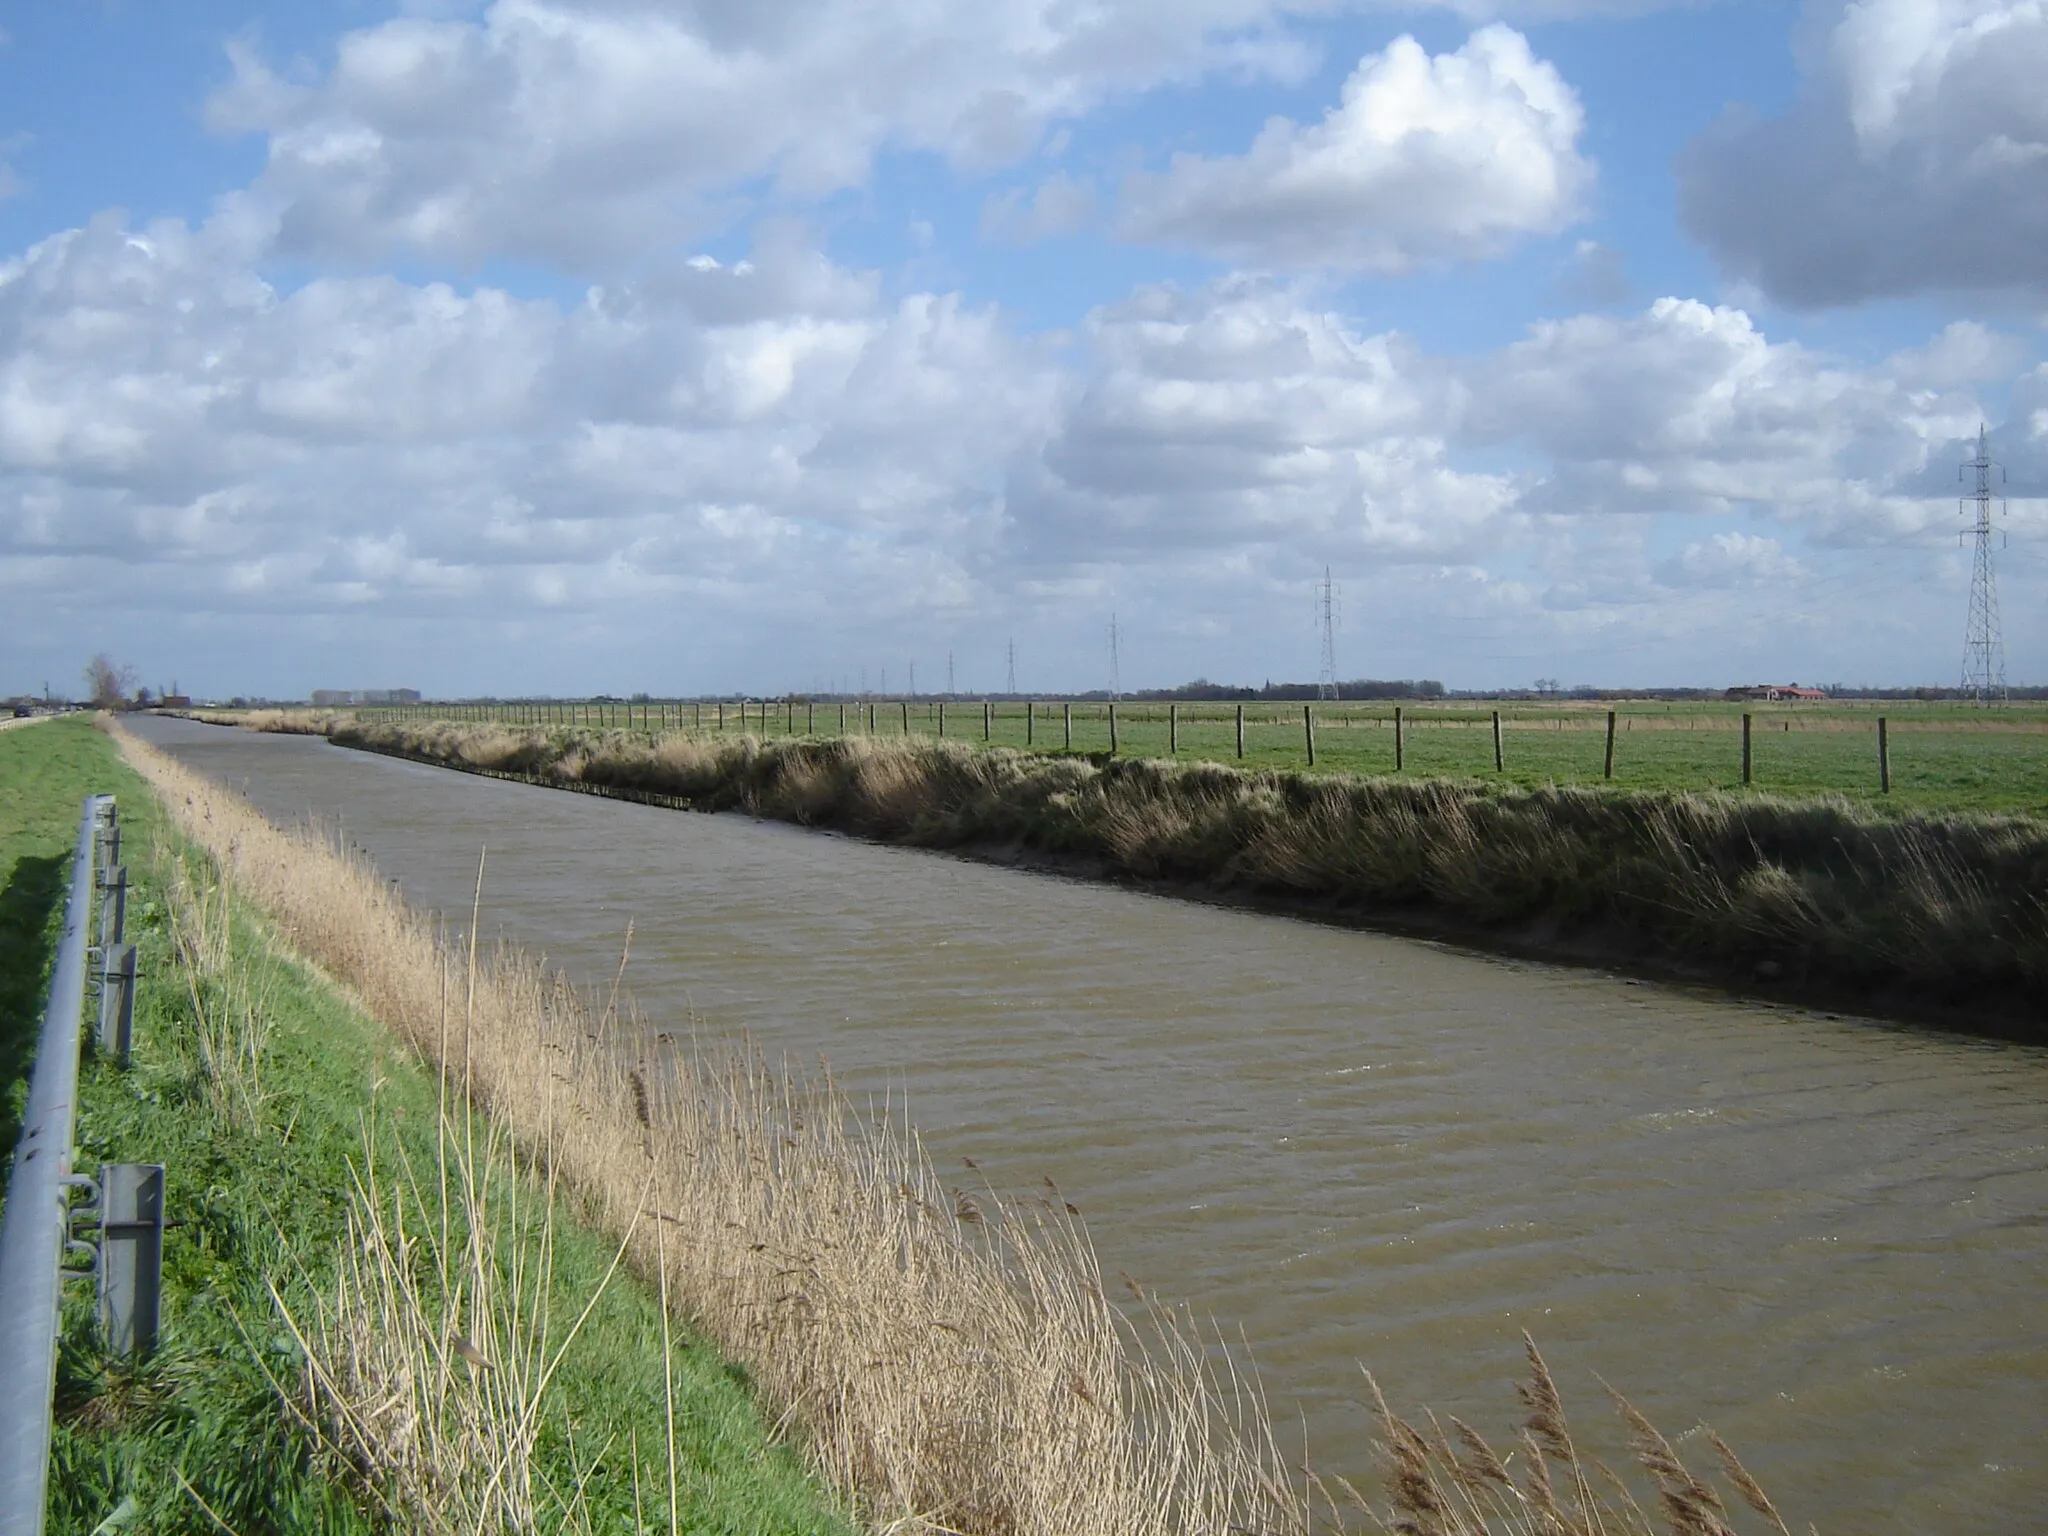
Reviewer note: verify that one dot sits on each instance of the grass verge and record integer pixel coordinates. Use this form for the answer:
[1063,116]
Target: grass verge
[300,1140]
[1930,915]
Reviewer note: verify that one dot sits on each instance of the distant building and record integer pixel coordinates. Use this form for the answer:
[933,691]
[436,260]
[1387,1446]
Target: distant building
[1777,693]
[174,701]
[341,698]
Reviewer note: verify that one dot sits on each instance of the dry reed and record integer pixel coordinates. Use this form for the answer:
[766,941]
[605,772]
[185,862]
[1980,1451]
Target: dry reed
[950,1359]
[231,1003]
[1943,911]
[429,1359]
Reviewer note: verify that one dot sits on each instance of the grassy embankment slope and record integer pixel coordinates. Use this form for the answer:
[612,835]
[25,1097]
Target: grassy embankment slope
[1946,755]
[256,1083]
[1932,914]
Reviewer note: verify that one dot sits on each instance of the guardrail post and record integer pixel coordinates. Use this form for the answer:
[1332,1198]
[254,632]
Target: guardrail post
[131,1256]
[114,905]
[117,1001]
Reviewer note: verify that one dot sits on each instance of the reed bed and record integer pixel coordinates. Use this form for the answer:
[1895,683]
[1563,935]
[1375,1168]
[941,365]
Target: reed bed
[950,1359]
[1817,894]
[430,1357]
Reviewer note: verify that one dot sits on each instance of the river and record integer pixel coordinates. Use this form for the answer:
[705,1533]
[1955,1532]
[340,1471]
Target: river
[1823,1235]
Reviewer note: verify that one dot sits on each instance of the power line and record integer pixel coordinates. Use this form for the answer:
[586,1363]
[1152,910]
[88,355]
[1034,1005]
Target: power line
[1983,645]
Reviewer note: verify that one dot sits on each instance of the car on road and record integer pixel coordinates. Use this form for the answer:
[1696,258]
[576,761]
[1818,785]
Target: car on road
[22,711]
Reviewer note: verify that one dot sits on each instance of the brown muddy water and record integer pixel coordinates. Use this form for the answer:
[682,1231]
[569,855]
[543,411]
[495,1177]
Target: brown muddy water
[1827,1237]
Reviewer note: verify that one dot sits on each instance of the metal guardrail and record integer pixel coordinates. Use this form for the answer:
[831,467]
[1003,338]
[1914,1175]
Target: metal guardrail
[36,1228]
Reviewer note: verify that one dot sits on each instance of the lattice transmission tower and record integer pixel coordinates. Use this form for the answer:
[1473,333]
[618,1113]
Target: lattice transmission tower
[1326,616]
[1984,646]
[1012,689]
[1116,685]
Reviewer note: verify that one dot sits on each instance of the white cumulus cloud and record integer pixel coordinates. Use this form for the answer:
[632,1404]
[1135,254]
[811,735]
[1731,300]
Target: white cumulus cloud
[1424,159]
[588,132]
[1914,160]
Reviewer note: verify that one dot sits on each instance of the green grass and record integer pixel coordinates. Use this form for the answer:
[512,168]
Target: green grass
[45,773]
[272,1200]
[1945,755]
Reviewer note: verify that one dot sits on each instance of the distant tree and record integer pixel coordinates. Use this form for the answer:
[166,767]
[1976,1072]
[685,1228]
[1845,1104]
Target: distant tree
[107,682]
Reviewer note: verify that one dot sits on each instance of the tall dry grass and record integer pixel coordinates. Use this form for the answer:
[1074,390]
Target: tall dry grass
[949,1358]
[280,721]
[231,1003]
[1946,910]
[430,1356]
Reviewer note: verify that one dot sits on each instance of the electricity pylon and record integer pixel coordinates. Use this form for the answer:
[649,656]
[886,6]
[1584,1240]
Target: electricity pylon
[1326,683]
[1984,645]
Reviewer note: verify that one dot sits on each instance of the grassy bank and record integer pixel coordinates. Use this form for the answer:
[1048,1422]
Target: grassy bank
[1821,898]
[1944,755]
[305,1382]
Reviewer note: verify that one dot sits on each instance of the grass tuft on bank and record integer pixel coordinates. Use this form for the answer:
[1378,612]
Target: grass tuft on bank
[1817,896]
[285,1119]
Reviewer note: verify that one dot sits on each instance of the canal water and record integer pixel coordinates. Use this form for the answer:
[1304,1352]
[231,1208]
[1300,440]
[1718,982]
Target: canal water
[1825,1236]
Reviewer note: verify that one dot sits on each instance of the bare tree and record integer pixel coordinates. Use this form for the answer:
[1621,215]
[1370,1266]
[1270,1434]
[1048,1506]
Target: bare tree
[107,682]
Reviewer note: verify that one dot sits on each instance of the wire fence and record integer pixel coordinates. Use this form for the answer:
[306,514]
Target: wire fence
[1946,755]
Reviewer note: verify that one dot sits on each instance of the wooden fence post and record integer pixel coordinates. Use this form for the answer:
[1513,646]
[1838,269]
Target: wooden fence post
[942,719]
[906,715]
[1308,733]
[1172,730]
[1240,730]
[1030,716]
[1745,750]
[871,719]
[842,717]
[1499,765]
[721,714]
[1884,758]
[1399,753]
[1608,770]
[1067,715]
[988,720]
[1112,727]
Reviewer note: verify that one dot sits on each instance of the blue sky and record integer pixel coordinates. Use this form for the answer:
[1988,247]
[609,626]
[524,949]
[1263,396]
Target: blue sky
[619,345]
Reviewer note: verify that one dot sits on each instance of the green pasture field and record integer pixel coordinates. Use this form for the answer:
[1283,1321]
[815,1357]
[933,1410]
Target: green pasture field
[1945,755]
